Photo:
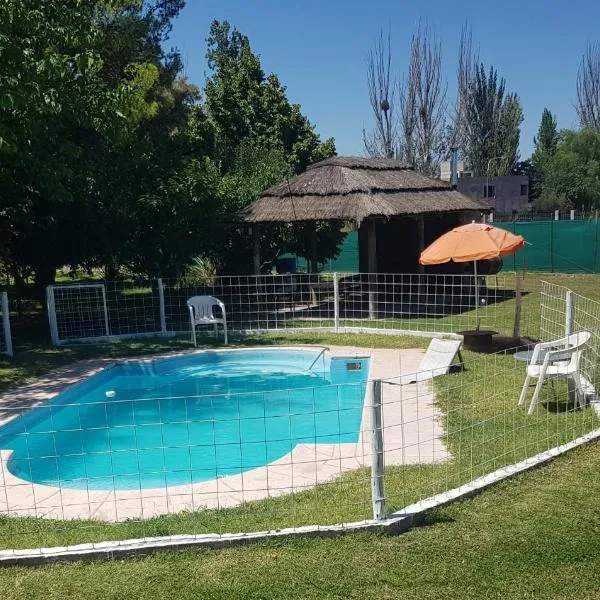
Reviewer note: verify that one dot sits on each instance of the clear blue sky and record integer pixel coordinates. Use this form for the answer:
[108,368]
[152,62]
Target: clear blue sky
[319,48]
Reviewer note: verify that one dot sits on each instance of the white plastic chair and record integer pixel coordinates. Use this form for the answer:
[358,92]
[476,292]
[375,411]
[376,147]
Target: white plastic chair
[437,361]
[558,358]
[202,313]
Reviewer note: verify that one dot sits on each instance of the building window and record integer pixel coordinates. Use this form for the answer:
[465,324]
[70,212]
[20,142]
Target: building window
[525,190]
[489,191]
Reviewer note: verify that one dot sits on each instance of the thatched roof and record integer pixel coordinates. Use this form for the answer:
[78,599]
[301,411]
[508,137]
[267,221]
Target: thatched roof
[354,188]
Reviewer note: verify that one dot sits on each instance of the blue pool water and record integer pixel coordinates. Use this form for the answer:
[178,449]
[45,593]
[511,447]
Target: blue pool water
[187,419]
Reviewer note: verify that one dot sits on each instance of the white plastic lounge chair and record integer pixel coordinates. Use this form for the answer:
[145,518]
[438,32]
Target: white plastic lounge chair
[558,358]
[202,313]
[437,361]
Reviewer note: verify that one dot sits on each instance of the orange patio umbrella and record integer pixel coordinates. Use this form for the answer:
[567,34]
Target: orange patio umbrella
[475,241]
[472,242]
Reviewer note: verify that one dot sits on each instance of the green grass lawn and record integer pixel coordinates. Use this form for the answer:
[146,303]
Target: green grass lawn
[484,431]
[535,536]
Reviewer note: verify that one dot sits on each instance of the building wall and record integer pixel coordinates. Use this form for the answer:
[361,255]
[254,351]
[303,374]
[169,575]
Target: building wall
[508,196]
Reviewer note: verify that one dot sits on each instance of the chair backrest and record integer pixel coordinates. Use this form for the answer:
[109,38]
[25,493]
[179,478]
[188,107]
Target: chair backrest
[576,343]
[569,348]
[439,356]
[203,307]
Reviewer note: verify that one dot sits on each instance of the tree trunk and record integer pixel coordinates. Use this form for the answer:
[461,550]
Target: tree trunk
[45,275]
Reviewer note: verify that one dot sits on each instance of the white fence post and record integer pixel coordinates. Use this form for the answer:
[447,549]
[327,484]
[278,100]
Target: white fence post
[377,458]
[572,215]
[569,314]
[556,215]
[6,324]
[336,302]
[569,318]
[52,315]
[161,304]
[106,322]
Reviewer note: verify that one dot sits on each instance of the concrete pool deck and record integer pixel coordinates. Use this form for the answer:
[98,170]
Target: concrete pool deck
[412,435]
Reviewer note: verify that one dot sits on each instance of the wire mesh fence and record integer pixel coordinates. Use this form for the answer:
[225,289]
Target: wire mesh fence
[257,439]
[5,332]
[563,312]
[328,301]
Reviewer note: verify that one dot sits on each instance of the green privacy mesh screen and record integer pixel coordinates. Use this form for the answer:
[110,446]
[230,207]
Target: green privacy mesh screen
[556,246]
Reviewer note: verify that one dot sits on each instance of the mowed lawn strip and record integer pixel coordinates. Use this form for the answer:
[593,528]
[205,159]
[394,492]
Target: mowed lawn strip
[536,536]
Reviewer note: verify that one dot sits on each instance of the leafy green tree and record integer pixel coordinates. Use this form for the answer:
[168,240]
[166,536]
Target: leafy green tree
[490,123]
[244,104]
[260,139]
[51,100]
[571,175]
[256,169]
[546,142]
[109,157]
[547,138]
[509,133]
[92,115]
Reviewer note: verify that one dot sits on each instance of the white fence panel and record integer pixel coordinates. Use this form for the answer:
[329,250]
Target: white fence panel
[386,303]
[77,312]
[106,311]
[186,445]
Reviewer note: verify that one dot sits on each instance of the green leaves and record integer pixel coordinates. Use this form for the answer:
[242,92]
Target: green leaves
[108,155]
[492,124]
[244,105]
[570,177]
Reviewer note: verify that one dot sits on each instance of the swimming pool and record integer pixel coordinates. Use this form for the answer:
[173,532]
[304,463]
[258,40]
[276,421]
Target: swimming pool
[187,419]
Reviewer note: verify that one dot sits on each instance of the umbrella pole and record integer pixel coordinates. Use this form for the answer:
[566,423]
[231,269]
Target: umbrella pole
[476,296]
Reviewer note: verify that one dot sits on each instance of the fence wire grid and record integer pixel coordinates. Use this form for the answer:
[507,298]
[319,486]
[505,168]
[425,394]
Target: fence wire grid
[327,301]
[187,457]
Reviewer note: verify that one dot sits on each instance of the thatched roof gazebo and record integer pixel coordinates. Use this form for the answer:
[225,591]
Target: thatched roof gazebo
[364,192]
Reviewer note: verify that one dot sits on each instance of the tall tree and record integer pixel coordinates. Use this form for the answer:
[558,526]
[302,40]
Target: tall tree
[588,88]
[382,141]
[409,122]
[244,104]
[85,85]
[490,124]
[423,104]
[486,121]
[509,134]
[546,142]
[547,137]
[256,128]
[468,61]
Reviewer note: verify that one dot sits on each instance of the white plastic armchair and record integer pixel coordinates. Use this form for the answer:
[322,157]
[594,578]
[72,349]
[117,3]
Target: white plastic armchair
[558,358]
[201,310]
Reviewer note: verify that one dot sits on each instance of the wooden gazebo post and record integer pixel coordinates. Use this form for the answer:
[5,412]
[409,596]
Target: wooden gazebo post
[372,266]
[313,266]
[256,248]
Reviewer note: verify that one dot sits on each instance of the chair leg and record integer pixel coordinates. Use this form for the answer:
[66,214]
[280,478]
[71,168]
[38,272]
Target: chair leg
[536,394]
[225,332]
[216,332]
[524,391]
[194,335]
[579,391]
